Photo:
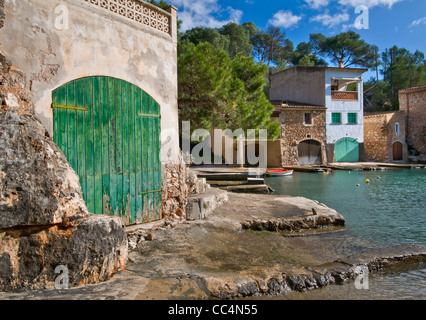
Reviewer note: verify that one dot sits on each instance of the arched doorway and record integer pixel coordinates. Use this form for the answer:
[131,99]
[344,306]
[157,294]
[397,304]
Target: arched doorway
[109,131]
[309,153]
[397,151]
[346,150]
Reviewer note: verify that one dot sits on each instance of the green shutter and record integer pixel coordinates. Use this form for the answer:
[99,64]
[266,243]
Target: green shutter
[109,130]
[336,118]
[352,118]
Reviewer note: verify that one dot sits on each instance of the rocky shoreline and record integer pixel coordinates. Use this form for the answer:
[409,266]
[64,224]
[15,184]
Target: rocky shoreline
[232,255]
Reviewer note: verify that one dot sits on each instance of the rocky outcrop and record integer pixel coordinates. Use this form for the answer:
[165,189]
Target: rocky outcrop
[37,184]
[92,249]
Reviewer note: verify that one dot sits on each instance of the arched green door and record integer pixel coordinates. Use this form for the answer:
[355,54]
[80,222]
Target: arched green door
[346,150]
[109,131]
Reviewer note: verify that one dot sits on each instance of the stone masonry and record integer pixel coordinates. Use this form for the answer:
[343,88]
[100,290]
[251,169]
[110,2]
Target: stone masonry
[413,102]
[294,130]
[380,134]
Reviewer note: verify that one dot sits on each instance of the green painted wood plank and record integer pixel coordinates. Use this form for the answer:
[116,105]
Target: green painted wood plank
[138,155]
[72,127]
[105,126]
[81,137]
[119,144]
[90,154]
[112,148]
[132,154]
[126,105]
[97,139]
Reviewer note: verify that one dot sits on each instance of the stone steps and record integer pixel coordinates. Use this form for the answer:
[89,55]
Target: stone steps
[203,204]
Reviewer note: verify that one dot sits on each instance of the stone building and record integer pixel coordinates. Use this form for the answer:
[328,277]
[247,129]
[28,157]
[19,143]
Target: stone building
[412,101]
[102,75]
[384,136]
[340,92]
[303,133]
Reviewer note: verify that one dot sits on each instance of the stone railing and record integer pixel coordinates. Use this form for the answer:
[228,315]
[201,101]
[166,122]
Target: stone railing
[138,11]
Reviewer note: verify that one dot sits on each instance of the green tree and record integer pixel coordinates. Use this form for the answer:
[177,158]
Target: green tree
[204,82]
[402,69]
[239,39]
[272,47]
[347,48]
[306,55]
[202,34]
[217,92]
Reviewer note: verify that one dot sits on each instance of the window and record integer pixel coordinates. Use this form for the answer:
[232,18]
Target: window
[397,128]
[352,118]
[336,118]
[308,118]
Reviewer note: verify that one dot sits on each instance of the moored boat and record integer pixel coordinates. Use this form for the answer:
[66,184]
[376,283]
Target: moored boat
[279,173]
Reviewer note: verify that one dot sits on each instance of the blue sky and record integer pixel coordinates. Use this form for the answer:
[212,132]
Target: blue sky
[391,22]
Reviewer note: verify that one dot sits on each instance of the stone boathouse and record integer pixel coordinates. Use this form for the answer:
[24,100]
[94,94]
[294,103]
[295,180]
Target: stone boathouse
[103,79]
[88,135]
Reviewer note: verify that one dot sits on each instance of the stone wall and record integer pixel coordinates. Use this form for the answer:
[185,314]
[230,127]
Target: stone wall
[178,184]
[380,135]
[294,131]
[413,102]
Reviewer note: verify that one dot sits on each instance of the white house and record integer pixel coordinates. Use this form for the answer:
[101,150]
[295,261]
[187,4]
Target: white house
[340,90]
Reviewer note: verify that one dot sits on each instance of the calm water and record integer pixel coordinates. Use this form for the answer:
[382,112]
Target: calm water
[390,210]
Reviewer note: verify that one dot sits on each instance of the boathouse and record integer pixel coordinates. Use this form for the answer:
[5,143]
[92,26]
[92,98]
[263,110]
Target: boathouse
[340,92]
[384,137]
[412,102]
[103,78]
[303,133]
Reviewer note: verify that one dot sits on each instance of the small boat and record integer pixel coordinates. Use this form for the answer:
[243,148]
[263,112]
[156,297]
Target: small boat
[279,173]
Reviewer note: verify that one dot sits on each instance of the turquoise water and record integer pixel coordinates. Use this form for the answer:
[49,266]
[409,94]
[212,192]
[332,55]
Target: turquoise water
[390,210]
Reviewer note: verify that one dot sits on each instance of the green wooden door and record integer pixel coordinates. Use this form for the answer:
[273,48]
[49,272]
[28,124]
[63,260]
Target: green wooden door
[346,150]
[109,131]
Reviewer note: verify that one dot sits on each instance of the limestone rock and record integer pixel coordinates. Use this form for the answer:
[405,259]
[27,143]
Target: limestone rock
[37,184]
[92,250]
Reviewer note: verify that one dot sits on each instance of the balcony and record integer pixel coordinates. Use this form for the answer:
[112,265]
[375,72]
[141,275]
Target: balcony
[344,95]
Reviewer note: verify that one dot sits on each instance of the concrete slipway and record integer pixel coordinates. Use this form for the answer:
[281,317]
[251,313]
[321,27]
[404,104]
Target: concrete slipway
[253,245]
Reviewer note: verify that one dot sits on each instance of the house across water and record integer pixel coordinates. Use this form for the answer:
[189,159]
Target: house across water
[321,111]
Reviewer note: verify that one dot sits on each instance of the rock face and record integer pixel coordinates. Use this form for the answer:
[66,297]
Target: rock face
[92,250]
[38,186]
[44,222]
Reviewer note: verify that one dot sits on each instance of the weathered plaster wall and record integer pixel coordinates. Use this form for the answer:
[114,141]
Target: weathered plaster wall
[299,84]
[97,42]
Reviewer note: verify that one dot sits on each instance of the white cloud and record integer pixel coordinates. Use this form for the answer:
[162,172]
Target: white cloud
[331,20]
[205,13]
[418,22]
[369,3]
[316,4]
[284,19]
